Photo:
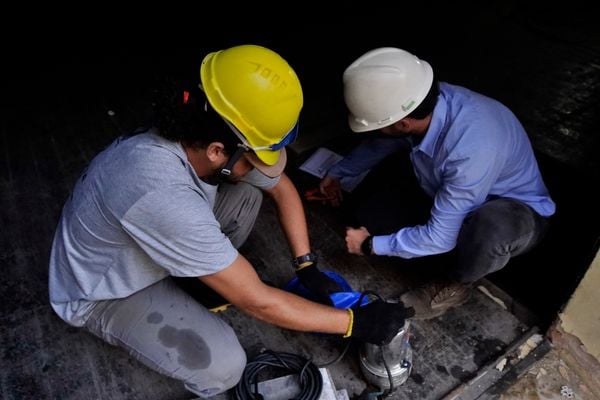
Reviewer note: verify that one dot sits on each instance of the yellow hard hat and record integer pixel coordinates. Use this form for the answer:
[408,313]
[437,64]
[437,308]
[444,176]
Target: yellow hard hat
[257,92]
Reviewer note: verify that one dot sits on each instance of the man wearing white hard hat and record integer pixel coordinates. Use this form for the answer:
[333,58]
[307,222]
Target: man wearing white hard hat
[485,196]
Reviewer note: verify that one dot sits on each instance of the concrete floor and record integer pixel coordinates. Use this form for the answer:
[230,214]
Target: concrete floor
[543,63]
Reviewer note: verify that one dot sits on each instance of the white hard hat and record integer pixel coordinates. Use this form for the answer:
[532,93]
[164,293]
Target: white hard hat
[383,86]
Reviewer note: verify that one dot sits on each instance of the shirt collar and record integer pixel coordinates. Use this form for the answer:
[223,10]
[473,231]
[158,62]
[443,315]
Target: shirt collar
[436,127]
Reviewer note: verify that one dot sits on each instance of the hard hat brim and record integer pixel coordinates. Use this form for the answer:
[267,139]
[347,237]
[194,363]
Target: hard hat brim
[384,86]
[271,171]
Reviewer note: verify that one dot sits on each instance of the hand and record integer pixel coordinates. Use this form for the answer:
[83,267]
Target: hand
[354,239]
[378,322]
[318,283]
[332,189]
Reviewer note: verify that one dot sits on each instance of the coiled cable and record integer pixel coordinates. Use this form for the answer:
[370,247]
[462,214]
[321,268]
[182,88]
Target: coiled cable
[310,379]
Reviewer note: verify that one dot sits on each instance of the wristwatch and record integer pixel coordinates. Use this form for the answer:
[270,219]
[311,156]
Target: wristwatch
[304,260]
[366,246]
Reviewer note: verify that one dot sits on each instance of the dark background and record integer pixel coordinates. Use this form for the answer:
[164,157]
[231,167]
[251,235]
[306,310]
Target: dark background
[542,61]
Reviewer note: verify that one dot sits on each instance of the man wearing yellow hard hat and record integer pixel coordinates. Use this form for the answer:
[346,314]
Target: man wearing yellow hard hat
[156,219]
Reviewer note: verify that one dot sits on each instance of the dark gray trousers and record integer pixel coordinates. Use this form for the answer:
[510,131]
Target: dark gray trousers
[490,235]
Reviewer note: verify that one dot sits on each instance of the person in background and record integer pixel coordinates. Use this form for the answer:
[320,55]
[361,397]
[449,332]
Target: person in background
[485,200]
[155,220]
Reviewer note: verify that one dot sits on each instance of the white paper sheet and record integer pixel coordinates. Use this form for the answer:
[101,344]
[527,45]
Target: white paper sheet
[322,159]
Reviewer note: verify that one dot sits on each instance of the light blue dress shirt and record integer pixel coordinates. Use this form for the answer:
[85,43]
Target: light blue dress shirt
[474,150]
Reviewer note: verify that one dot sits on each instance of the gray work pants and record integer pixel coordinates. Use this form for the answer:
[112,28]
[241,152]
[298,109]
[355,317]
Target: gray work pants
[168,331]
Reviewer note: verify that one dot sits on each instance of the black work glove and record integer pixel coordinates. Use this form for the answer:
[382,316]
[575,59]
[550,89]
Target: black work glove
[378,322]
[319,284]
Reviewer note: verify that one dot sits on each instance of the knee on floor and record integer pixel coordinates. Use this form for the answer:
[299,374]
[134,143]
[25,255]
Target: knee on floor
[223,374]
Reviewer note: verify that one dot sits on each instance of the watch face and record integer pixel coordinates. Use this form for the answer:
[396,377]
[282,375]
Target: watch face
[310,257]
[367,246]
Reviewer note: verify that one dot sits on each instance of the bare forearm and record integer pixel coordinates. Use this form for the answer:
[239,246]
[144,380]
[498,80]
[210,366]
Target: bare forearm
[240,284]
[291,216]
[289,311]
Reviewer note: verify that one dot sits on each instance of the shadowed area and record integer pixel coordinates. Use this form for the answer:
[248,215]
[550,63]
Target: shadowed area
[543,63]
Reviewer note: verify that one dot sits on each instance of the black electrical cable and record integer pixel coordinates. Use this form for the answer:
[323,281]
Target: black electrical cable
[311,381]
[338,358]
[388,391]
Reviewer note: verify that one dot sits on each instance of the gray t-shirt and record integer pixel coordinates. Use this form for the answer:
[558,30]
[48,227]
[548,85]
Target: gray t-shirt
[137,214]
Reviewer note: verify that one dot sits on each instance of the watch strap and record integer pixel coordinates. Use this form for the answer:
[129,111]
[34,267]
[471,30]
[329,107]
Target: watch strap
[304,260]
[366,247]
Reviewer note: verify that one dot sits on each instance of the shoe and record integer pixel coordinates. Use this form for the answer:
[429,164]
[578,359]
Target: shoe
[434,299]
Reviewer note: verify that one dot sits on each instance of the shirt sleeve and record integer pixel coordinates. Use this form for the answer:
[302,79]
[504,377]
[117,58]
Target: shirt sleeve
[466,181]
[177,229]
[366,155]
[260,180]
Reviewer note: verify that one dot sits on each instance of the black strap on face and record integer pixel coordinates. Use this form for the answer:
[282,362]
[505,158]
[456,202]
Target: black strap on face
[226,170]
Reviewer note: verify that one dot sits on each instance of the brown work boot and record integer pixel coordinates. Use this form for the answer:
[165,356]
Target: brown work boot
[433,299]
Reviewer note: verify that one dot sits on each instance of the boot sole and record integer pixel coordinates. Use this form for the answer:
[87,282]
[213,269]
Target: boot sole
[438,311]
